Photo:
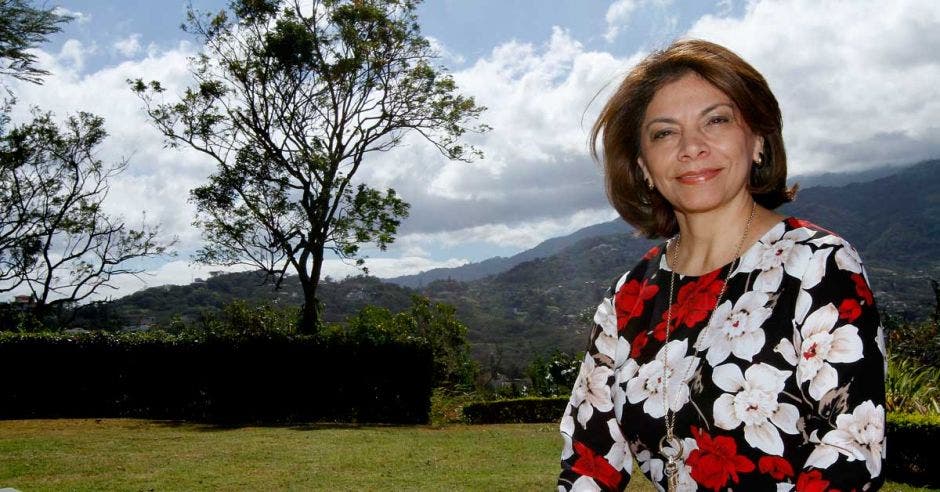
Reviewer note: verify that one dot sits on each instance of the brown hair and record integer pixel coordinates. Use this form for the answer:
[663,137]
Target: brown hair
[618,129]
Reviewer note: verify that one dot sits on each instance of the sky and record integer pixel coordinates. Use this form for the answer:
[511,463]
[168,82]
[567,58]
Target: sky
[857,84]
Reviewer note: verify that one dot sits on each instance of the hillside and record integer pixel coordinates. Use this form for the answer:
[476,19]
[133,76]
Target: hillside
[544,301]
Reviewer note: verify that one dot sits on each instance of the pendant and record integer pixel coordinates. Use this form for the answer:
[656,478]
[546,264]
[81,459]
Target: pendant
[671,449]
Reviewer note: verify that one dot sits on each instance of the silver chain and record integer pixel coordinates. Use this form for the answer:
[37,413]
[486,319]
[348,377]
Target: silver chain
[674,456]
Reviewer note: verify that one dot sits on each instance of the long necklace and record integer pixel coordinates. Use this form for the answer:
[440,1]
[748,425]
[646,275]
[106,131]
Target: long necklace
[669,445]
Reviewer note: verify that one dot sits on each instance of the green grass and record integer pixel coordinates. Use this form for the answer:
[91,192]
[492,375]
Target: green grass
[124,454]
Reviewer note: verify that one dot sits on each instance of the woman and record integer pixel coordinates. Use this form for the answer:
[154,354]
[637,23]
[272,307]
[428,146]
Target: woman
[744,352]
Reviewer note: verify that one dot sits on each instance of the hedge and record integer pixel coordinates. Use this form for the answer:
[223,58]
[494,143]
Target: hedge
[271,378]
[910,443]
[517,410]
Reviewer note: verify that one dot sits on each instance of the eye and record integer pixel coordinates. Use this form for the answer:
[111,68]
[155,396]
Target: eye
[662,134]
[719,119]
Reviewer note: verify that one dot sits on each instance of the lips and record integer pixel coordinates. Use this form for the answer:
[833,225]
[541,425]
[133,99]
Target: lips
[698,176]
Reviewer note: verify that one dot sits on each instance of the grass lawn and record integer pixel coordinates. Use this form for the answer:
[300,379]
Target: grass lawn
[124,454]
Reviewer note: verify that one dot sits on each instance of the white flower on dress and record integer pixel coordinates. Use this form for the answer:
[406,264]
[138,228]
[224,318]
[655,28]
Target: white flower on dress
[652,467]
[624,369]
[567,430]
[754,403]
[819,345]
[591,390]
[735,330]
[583,484]
[775,253]
[858,436]
[653,379]
[619,455]
[606,317]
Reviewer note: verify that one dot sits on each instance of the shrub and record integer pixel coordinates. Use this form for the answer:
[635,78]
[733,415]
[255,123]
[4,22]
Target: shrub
[518,410]
[555,375]
[911,387]
[222,379]
[911,442]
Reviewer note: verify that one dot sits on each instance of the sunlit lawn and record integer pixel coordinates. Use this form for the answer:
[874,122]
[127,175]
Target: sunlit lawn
[147,455]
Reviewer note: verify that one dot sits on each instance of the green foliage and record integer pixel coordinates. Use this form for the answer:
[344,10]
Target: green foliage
[916,340]
[230,378]
[912,442]
[243,319]
[554,375]
[518,410]
[912,387]
[433,324]
[23,28]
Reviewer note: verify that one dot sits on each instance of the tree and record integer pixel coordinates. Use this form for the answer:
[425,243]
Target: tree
[22,28]
[288,104]
[65,247]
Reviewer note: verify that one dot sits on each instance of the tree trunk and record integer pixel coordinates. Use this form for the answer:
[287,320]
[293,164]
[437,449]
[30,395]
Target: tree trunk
[310,313]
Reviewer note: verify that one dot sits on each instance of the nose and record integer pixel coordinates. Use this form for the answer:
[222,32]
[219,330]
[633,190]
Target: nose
[692,146]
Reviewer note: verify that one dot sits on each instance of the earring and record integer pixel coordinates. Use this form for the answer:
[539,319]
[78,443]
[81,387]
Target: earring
[649,183]
[760,160]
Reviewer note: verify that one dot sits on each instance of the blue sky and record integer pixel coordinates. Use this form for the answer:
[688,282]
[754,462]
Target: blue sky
[856,82]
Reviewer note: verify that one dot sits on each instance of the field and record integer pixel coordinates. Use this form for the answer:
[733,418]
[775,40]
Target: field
[119,454]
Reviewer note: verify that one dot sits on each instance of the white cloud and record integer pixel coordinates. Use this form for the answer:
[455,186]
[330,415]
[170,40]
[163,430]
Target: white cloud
[73,52]
[857,92]
[618,15]
[447,56]
[128,46]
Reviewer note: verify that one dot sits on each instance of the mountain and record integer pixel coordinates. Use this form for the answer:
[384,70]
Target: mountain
[498,264]
[545,300]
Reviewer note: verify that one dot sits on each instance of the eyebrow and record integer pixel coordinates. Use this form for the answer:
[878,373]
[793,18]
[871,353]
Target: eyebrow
[702,113]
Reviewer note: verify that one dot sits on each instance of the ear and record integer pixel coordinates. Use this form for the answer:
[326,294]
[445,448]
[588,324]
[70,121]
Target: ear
[758,148]
[646,172]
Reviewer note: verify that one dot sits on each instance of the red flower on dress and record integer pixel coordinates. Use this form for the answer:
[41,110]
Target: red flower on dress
[811,481]
[591,464]
[651,253]
[850,310]
[716,460]
[862,289]
[775,466]
[630,300]
[639,341]
[794,223]
[694,303]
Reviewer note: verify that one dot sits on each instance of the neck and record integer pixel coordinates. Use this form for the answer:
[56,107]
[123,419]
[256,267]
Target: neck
[711,239]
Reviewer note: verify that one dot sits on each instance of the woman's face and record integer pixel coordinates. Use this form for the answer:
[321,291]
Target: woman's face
[696,147]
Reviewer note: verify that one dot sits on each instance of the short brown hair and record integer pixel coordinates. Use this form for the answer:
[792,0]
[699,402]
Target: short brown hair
[618,129]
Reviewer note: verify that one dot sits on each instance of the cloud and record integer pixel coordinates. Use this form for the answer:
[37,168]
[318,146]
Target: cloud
[128,46]
[536,166]
[855,93]
[618,15]
[73,53]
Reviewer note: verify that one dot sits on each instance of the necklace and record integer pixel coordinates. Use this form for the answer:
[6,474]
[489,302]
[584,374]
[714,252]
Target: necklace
[669,445]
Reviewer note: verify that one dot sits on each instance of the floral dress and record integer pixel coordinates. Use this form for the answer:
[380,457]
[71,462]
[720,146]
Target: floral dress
[779,388]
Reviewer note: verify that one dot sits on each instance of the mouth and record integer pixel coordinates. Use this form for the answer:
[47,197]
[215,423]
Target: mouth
[698,176]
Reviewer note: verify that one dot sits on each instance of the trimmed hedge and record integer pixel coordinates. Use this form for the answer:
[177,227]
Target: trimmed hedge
[910,442]
[517,410]
[272,378]
[911,451]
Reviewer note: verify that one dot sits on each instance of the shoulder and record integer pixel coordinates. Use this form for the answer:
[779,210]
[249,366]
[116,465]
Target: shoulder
[644,268]
[798,249]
